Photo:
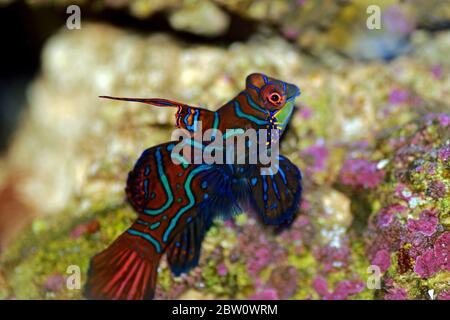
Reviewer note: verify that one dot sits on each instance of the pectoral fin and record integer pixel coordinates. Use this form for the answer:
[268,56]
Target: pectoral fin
[275,198]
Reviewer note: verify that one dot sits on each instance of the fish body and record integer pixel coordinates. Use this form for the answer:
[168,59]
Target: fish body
[177,202]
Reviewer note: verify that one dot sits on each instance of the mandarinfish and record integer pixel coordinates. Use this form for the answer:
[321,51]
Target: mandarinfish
[177,201]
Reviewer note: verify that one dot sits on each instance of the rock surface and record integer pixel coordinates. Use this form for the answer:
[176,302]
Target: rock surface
[371,138]
[339,26]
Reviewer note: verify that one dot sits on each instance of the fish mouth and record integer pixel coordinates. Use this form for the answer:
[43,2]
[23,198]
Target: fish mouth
[292,92]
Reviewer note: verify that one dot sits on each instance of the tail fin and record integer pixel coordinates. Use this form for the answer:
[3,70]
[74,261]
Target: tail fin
[123,271]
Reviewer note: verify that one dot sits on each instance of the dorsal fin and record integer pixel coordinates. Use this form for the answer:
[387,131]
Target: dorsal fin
[187,117]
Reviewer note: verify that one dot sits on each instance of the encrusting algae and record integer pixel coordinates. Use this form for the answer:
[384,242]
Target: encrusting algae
[372,140]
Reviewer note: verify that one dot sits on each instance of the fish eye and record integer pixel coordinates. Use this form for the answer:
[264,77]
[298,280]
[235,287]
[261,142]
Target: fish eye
[275,98]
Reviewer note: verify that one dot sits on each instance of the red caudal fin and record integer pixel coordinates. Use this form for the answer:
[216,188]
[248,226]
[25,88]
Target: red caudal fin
[125,270]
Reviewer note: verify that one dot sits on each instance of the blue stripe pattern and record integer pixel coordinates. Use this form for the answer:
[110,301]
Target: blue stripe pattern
[253,104]
[146,188]
[147,237]
[241,114]
[166,185]
[187,187]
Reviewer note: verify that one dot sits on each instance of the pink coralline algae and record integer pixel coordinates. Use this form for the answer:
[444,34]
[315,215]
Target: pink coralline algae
[396,294]
[444,295]
[176,290]
[403,192]
[305,205]
[382,259]
[229,223]
[399,96]
[319,154]
[342,291]
[385,218]
[346,288]
[436,71]
[321,286]
[387,214]
[397,20]
[408,237]
[385,232]
[54,283]
[444,119]
[258,250]
[301,232]
[258,261]
[290,33]
[437,190]
[222,269]
[333,259]
[426,264]
[442,250]
[426,224]
[436,259]
[417,242]
[266,294]
[360,173]
[305,112]
[444,153]
[384,239]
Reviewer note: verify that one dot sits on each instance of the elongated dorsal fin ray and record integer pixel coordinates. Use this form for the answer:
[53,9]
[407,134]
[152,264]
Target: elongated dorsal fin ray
[153,101]
[186,117]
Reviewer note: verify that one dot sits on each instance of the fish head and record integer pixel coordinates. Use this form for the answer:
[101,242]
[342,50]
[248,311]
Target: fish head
[275,96]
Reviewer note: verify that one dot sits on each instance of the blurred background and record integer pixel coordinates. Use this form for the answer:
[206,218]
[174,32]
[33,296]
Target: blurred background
[370,134]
